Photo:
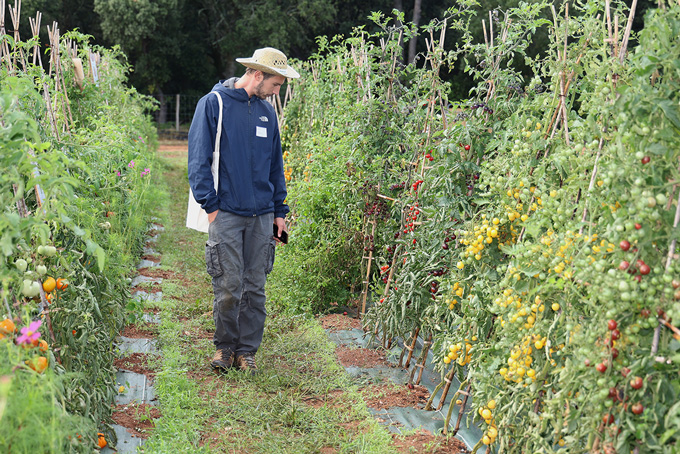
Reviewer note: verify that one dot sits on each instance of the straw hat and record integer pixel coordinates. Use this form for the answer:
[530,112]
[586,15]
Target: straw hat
[270,60]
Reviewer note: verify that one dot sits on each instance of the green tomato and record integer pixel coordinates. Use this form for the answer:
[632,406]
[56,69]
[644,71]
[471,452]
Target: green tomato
[661,199]
[30,288]
[41,270]
[21,264]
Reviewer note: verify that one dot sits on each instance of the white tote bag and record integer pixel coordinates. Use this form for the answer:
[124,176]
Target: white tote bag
[197,218]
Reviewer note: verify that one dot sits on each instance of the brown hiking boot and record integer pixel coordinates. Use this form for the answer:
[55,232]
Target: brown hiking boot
[246,363]
[223,359]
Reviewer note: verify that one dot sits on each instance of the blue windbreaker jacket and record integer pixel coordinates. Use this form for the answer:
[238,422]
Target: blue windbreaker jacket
[251,180]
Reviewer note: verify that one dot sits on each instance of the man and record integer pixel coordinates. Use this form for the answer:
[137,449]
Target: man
[248,203]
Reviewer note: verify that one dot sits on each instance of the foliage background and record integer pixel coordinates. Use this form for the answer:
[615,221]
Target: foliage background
[178,46]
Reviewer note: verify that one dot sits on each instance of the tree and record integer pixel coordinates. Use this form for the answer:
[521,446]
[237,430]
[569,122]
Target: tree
[236,28]
[148,32]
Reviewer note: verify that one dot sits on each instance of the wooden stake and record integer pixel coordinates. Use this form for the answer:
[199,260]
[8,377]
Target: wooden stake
[448,380]
[608,15]
[491,28]
[50,110]
[423,360]
[15,15]
[486,39]
[35,29]
[626,35]
[591,185]
[368,270]
[411,347]
[616,36]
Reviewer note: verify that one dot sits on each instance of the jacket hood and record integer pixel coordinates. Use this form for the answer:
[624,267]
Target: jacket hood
[227,87]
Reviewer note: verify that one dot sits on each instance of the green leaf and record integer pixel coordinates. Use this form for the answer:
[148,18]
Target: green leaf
[6,245]
[670,109]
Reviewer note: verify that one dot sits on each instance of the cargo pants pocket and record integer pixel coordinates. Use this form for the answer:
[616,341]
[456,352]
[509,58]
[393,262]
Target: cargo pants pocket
[271,253]
[212,259]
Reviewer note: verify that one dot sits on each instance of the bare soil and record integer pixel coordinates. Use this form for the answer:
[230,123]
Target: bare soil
[137,363]
[144,331]
[417,442]
[138,419]
[382,397]
[338,322]
[157,273]
[361,357]
[148,288]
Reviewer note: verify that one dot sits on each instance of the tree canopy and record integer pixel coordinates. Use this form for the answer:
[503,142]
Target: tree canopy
[178,46]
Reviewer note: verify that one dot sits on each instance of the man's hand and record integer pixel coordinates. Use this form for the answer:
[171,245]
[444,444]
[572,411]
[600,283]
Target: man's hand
[281,224]
[212,216]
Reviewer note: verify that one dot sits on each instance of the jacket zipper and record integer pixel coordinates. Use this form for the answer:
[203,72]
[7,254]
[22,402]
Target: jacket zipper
[250,153]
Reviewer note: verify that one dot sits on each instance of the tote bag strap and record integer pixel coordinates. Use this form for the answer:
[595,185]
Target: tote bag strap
[216,153]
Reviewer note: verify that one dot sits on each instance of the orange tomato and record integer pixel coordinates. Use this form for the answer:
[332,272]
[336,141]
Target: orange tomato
[49,284]
[7,326]
[102,441]
[43,345]
[62,284]
[38,364]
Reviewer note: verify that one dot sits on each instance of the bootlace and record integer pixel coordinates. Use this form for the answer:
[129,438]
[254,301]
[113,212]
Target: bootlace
[250,361]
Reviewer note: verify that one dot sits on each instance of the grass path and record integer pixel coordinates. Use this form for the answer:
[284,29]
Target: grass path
[301,402]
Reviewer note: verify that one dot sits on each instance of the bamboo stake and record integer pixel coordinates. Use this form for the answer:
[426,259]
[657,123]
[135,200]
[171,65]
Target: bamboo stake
[21,203]
[626,35]
[486,39]
[68,102]
[4,48]
[491,28]
[591,185]
[368,270]
[616,36]
[608,15]
[428,405]
[411,347]
[58,74]
[447,420]
[35,29]
[15,15]
[466,395]
[448,380]
[403,351]
[50,110]
[565,125]
[426,349]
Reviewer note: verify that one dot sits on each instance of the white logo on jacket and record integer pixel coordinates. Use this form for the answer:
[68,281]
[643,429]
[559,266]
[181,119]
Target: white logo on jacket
[264,119]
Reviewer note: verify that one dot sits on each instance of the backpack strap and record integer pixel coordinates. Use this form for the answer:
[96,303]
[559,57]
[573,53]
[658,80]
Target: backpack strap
[216,153]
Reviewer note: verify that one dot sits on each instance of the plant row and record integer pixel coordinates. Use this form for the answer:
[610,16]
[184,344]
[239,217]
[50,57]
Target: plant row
[76,159]
[527,234]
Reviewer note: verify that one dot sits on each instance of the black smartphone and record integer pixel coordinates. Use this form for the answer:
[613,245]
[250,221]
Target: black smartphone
[284,235]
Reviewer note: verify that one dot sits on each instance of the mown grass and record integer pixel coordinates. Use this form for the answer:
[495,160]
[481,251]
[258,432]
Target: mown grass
[302,401]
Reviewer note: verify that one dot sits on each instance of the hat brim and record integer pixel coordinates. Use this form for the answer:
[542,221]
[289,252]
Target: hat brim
[289,72]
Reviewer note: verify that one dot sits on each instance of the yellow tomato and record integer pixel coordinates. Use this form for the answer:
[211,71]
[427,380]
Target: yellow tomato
[49,284]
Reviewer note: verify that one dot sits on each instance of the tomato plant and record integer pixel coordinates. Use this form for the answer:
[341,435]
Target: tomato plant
[528,233]
[63,265]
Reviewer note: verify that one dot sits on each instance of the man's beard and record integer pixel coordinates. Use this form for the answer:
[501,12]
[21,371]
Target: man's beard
[258,91]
